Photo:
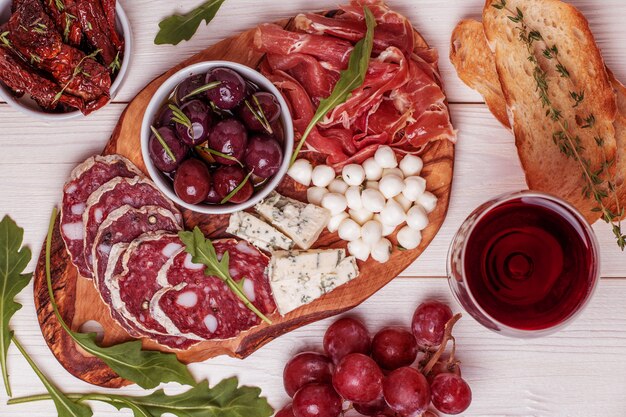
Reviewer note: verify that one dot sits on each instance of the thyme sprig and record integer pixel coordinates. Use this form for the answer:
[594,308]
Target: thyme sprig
[180,117]
[77,71]
[68,25]
[259,114]
[202,89]
[568,143]
[116,64]
[210,151]
[5,40]
[60,5]
[166,148]
[236,189]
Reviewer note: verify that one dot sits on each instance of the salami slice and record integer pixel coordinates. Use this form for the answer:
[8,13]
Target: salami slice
[84,180]
[135,192]
[203,305]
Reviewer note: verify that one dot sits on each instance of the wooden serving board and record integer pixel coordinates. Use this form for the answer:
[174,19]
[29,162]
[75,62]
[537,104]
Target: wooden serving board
[79,301]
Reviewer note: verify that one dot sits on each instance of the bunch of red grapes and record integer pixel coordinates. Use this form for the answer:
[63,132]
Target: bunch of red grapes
[376,375]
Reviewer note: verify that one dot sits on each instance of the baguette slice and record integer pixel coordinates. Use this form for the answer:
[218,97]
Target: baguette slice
[468,41]
[546,168]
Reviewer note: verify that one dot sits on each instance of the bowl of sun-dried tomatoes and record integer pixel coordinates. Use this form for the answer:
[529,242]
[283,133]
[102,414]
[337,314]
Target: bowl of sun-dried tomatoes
[61,59]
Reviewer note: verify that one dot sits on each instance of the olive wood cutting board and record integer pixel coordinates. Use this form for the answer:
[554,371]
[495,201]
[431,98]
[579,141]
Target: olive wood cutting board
[79,301]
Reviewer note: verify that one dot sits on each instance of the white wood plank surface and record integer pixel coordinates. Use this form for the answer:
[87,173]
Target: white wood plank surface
[578,372]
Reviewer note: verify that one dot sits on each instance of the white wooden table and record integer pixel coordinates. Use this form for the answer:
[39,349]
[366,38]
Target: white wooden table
[580,371]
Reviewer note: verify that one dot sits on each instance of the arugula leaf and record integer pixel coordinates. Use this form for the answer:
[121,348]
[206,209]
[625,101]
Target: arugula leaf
[177,28]
[145,368]
[65,407]
[349,80]
[226,399]
[202,252]
[13,260]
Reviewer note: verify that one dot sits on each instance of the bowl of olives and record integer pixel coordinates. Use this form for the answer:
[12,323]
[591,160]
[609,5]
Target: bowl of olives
[217,137]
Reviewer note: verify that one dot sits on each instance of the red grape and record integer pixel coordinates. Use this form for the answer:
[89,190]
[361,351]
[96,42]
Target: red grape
[269,105]
[231,91]
[192,181]
[316,400]
[286,411]
[231,138]
[159,155]
[450,393]
[406,391]
[199,115]
[394,348]
[346,336]
[357,378]
[227,178]
[442,367]
[263,156]
[305,368]
[372,408]
[429,321]
[187,86]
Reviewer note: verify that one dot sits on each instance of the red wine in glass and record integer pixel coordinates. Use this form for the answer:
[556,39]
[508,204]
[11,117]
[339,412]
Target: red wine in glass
[526,262]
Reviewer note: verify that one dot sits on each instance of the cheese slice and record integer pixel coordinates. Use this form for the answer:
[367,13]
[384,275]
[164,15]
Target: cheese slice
[258,233]
[288,264]
[300,221]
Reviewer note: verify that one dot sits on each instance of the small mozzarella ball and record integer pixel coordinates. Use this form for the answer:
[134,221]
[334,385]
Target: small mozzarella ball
[393,171]
[428,201]
[371,232]
[391,186]
[301,172]
[322,175]
[359,249]
[404,202]
[338,186]
[314,195]
[409,238]
[386,157]
[373,200]
[416,218]
[387,230]
[353,196]
[334,202]
[349,230]
[353,174]
[392,214]
[414,187]
[411,165]
[361,216]
[373,171]
[374,185]
[335,221]
[381,250]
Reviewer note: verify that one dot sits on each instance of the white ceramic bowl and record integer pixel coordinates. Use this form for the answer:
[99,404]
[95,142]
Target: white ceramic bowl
[27,106]
[162,95]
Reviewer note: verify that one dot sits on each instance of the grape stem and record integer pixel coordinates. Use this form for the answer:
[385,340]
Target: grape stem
[447,336]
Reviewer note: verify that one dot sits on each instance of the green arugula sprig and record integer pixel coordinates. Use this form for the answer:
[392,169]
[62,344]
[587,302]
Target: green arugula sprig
[177,28]
[568,143]
[13,260]
[202,89]
[145,368]
[203,252]
[349,80]
[226,399]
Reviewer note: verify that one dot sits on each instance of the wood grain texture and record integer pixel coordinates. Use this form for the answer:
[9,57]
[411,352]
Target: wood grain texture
[80,302]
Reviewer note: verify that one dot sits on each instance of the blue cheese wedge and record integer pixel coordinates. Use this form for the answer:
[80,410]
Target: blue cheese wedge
[300,277]
[258,233]
[302,222]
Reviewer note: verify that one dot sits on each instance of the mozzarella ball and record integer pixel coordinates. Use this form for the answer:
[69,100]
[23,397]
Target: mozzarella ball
[349,230]
[428,201]
[322,175]
[403,201]
[393,171]
[411,165]
[353,196]
[334,202]
[371,232]
[373,200]
[392,214]
[372,184]
[373,171]
[414,187]
[381,250]
[361,216]
[416,218]
[386,157]
[301,172]
[335,221]
[409,238]
[338,186]
[387,230]
[353,174]
[359,249]
[314,195]
[391,186]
